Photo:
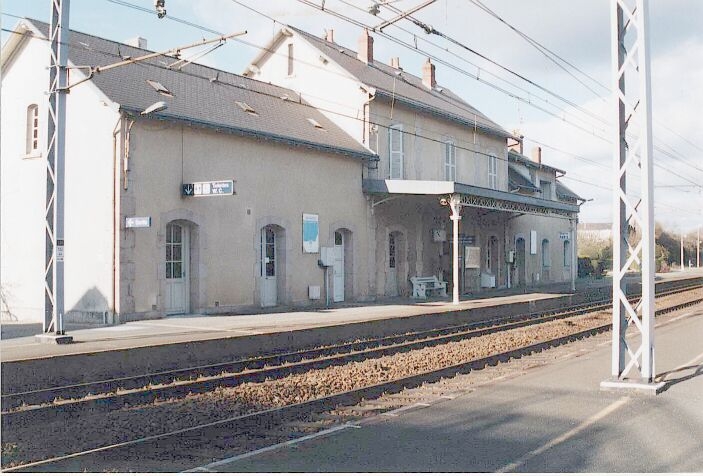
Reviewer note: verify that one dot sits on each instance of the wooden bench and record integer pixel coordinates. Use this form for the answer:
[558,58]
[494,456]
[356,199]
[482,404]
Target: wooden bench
[430,283]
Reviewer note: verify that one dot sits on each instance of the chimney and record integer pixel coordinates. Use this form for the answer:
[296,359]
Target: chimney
[365,53]
[137,42]
[395,63]
[329,35]
[537,155]
[518,146]
[428,75]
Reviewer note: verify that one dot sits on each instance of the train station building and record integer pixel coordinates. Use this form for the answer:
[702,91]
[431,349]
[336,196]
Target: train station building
[319,174]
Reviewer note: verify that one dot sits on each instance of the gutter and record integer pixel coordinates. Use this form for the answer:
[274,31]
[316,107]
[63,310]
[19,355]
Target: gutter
[254,133]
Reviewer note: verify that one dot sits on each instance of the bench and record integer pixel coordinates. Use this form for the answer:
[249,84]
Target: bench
[430,283]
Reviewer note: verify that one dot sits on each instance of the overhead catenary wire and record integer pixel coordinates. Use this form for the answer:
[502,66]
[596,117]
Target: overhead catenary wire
[334,112]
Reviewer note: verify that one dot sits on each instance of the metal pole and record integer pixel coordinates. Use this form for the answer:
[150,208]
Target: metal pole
[574,265]
[683,268]
[698,248]
[454,203]
[54,244]
[632,155]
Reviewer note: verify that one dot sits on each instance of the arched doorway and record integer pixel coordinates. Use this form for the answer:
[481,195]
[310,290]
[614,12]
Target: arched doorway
[272,264]
[342,276]
[546,261]
[396,263]
[520,272]
[177,292]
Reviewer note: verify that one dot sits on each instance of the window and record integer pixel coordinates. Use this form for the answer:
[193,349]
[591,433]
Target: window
[395,146]
[492,172]
[489,252]
[567,254]
[546,259]
[449,161]
[291,59]
[545,190]
[391,251]
[32,135]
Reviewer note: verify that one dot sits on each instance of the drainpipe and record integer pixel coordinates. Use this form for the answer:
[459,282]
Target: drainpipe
[574,264]
[115,218]
[454,203]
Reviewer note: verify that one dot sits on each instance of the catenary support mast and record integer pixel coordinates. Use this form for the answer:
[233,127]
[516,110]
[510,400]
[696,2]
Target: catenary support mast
[54,264]
[633,207]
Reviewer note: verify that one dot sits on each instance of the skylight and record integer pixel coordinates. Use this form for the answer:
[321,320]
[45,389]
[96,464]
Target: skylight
[316,124]
[246,107]
[160,88]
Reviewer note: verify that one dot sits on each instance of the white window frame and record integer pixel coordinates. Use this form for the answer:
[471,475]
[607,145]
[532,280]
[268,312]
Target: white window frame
[549,190]
[32,131]
[492,171]
[449,161]
[398,154]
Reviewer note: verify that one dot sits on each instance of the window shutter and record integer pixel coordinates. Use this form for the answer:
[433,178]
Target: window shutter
[396,151]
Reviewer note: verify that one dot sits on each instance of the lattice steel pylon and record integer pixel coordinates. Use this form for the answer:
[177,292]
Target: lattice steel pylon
[54,264]
[633,214]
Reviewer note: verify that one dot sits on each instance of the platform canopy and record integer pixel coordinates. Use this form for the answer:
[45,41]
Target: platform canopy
[472,196]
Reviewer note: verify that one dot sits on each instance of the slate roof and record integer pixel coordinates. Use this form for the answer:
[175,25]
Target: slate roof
[406,88]
[524,160]
[206,96]
[517,180]
[564,192]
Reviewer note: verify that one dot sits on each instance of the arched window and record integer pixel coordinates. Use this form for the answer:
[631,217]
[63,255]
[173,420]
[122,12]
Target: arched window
[32,133]
[546,258]
[567,254]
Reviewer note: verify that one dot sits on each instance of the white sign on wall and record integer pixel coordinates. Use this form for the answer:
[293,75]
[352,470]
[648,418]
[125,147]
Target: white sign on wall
[472,257]
[311,233]
[564,236]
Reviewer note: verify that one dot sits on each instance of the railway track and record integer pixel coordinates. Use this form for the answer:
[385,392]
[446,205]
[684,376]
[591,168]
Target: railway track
[268,418]
[106,395]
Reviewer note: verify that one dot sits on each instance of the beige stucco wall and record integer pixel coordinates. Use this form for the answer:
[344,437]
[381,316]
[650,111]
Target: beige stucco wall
[88,193]
[323,83]
[547,228]
[424,146]
[274,183]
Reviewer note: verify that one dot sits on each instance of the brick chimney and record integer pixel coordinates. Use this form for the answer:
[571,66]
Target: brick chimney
[395,63]
[329,35]
[428,75]
[537,155]
[365,53]
[518,145]
[137,42]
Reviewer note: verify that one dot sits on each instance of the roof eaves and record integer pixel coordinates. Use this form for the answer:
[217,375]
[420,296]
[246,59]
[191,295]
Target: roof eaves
[254,133]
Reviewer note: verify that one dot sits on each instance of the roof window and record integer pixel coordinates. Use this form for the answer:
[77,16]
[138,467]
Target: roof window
[316,124]
[160,88]
[246,108]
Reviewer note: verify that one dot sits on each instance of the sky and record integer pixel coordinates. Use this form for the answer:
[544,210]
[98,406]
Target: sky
[575,136]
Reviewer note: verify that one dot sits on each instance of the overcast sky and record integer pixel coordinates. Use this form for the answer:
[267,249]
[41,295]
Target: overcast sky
[577,30]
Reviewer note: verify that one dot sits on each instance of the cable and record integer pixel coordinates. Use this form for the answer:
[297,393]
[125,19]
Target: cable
[330,111]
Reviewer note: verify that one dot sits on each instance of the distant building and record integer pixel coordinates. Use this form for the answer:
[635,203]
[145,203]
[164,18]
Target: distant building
[341,158]
[595,231]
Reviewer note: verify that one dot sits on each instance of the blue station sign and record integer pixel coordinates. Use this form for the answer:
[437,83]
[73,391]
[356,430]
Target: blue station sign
[208,189]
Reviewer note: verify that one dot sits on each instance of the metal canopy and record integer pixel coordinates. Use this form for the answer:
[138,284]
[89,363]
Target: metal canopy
[472,196]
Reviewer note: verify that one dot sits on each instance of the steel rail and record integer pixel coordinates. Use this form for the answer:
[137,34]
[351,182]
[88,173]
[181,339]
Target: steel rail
[266,417]
[111,394]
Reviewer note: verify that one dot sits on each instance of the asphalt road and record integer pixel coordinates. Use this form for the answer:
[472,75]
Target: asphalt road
[550,419]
